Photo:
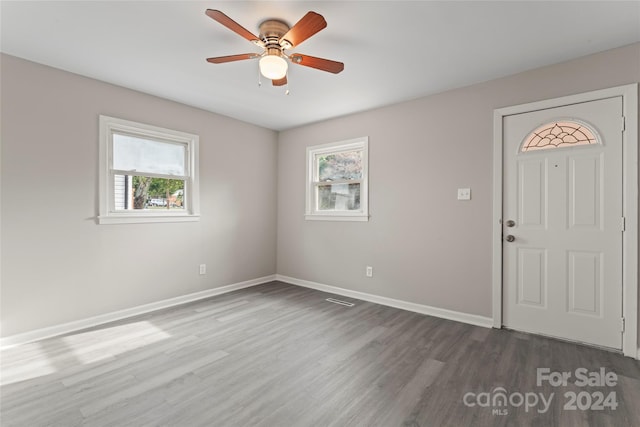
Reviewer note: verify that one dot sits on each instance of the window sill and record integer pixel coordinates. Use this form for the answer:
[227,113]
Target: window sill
[142,218]
[321,217]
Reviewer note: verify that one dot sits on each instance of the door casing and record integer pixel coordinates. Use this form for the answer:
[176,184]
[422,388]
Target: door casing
[629,95]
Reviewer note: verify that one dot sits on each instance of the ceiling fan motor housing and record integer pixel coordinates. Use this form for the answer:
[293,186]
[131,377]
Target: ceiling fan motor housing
[271,31]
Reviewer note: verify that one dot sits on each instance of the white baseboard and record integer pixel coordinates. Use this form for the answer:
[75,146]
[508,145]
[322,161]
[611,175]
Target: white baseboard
[76,325]
[471,319]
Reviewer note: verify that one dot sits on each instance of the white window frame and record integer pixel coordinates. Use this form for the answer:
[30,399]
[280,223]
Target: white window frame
[311,212]
[107,212]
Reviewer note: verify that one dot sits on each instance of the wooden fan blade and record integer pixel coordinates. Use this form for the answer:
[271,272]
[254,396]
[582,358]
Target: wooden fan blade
[310,24]
[231,58]
[318,63]
[220,17]
[281,82]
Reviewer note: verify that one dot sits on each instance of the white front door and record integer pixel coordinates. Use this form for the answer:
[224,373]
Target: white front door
[562,222]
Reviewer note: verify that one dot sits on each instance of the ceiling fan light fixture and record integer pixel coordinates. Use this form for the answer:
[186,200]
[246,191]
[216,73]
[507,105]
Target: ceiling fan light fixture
[273,67]
[275,37]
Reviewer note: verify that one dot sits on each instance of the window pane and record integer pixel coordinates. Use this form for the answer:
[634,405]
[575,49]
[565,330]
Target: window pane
[339,166]
[141,192]
[559,134]
[144,155]
[338,197]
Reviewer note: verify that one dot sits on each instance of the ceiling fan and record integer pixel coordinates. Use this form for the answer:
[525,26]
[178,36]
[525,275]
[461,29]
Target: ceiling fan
[276,37]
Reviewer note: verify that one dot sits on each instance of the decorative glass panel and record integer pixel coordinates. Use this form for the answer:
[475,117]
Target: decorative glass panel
[559,134]
[136,154]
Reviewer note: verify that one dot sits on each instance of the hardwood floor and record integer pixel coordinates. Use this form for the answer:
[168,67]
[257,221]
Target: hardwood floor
[280,355]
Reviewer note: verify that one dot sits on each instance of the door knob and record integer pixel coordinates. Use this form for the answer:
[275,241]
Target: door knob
[510,223]
[509,238]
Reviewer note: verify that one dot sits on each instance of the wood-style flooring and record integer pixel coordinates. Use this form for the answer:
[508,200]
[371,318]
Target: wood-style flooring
[280,355]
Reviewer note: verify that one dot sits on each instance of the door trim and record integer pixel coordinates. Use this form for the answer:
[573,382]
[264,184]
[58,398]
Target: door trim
[629,95]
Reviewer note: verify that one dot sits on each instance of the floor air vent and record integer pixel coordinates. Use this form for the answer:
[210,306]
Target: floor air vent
[337,301]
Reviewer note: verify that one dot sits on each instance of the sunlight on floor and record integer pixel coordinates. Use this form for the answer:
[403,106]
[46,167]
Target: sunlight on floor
[93,346]
[37,365]
[69,353]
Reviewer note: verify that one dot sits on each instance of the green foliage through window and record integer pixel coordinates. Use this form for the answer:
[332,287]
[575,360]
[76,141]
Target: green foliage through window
[153,193]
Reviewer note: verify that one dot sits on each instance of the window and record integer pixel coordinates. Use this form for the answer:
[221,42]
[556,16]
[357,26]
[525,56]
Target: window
[337,181]
[147,173]
[559,134]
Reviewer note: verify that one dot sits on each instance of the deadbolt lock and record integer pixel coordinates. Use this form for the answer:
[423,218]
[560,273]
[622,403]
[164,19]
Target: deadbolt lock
[510,223]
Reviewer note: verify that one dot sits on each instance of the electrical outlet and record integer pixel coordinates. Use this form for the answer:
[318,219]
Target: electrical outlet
[369,271]
[203,268]
[464,194]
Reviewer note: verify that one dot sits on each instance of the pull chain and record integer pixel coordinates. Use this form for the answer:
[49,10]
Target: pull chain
[259,77]
[286,88]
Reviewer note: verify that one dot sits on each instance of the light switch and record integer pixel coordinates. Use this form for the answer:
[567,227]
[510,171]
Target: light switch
[464,194]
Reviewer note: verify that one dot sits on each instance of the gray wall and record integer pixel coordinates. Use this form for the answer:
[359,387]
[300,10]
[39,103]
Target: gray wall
[424,245]
[57,264]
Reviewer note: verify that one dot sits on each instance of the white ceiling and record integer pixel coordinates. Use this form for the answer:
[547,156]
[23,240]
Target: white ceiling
[392,50]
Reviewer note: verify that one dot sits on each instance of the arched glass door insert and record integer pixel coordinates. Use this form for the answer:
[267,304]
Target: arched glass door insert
[559,134]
